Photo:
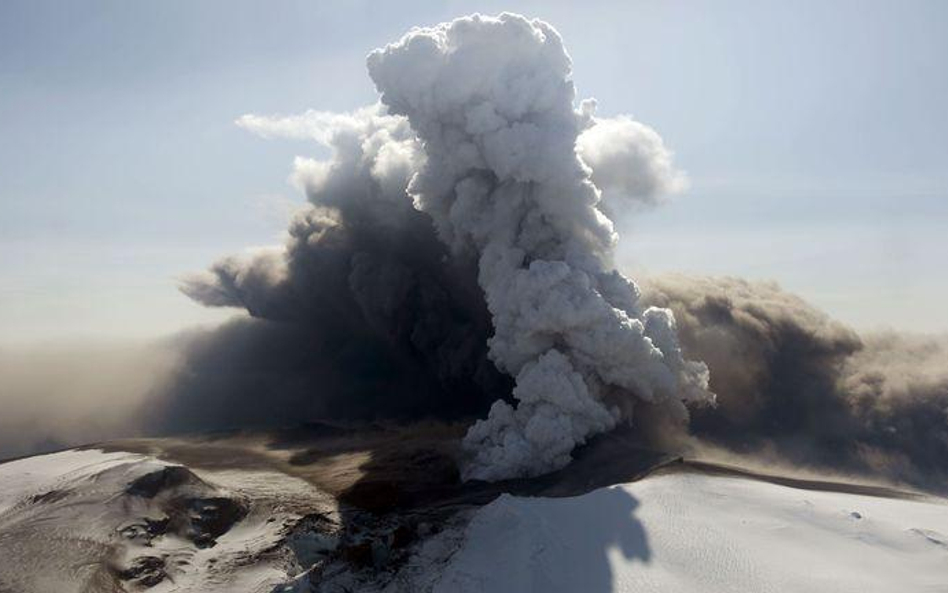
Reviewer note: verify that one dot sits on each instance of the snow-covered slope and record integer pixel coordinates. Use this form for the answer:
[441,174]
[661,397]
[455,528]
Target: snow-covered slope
[106,522]
[695,532]
[89,521]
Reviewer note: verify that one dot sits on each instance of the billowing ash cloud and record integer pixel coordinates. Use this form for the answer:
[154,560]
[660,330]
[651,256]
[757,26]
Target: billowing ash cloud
[793,383]
[455,261]
[492,101]
[363,314]
[455,239]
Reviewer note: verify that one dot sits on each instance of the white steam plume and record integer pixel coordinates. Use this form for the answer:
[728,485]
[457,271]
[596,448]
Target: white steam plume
[492,102]
[629,161]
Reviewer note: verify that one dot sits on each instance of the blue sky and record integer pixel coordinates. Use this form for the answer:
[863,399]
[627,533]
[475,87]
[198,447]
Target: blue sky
[815,136]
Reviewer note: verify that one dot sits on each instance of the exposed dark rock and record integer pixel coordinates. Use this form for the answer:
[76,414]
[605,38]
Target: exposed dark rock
[169,476]
[402,537]
[206,519]
[146,530]
[51,496]
[145,571]
[359,555]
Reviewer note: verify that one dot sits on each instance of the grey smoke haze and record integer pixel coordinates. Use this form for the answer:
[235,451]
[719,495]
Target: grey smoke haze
[362,315]
[792,382]
[57,395]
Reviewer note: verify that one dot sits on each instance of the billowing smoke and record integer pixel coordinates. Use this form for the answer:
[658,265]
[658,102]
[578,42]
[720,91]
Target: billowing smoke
[455,261]
[794,384]
[363,314]
[456,240]
[630,164]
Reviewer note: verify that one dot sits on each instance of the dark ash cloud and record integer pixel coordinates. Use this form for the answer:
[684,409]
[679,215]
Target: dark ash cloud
[789,380]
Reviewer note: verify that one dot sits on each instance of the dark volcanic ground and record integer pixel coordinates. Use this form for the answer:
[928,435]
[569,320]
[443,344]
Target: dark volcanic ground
[396,468]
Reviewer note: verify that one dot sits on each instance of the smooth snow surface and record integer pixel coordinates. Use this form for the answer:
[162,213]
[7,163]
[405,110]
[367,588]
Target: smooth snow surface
[694,532]
[42,473]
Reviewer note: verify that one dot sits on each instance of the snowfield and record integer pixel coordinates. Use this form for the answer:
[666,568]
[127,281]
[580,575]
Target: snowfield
[694,532]
[92,521]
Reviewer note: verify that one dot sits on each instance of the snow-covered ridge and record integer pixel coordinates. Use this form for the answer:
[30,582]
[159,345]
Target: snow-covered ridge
[698,532]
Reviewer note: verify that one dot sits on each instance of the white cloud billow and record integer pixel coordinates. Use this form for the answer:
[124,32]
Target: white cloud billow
[629,160]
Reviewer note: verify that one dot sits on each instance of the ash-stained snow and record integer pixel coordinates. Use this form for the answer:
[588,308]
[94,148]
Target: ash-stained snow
[98,522]
[90,521]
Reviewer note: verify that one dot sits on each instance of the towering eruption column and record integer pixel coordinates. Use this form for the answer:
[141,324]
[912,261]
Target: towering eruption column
[492,101]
